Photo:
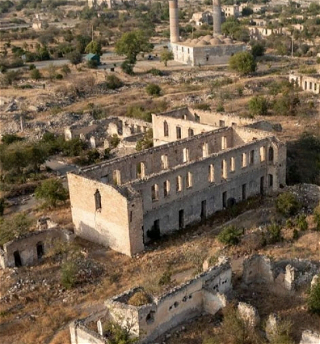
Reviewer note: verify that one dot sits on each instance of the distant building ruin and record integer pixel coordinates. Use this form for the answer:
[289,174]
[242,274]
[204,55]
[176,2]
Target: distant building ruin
[201,162]
[204,293]
[308,82]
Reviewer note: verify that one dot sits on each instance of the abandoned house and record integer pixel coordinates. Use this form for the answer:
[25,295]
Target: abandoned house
[204,293]
[201,162]
[309,82]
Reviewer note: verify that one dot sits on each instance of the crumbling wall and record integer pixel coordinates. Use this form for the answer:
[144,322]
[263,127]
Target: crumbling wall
[29,248]
[258,269]
[178,305]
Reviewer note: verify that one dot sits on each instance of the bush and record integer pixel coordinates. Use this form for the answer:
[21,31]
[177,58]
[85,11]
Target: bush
[243,62]
[127,67]
[35,74]
[316,217]
[14,226]
[113,82]
[203,106]
[313,300]
[258,106]
[52,192]
[139,298]
[146,142]
[68,274]
[153,90]
[114,141]
[92,64]
[287,204]
[230,235]
[302,222]
[155,72]
[273,234]
[165,279]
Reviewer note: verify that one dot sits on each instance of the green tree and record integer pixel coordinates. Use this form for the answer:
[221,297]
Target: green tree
[166,55]
[113,82]
[131,44]
[94,47]
[243,62]
[314,298]
[14,226]
[153,90]
[52,192]
[230,235]
[74,57]
[258,106]
[35,74]
[287,204]
[257,49]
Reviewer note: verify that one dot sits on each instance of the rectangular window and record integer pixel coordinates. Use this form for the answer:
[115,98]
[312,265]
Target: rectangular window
[232,164]
[190,132]
[116,177]
[244,160]
[130,216]
[222,123]
[211,173]
[155,192]
[251,157]
[164,161]
[189,180]
[166,188]
[262,154]
[178,131]
[185,157]
[205,150]
[224,174]
[223,142]
[179,184]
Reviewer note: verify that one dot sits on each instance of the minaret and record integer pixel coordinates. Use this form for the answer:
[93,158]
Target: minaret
[216,17]
[174,21]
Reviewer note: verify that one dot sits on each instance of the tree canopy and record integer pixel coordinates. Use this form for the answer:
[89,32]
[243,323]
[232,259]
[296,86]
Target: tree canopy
[131,44]
[243,62]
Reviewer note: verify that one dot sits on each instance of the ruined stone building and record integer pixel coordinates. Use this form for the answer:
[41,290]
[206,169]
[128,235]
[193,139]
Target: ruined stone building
[204,293]
[201,162]
[308,82]
[206,50]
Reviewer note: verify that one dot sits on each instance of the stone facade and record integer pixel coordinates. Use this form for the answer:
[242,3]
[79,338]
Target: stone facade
[199,53]
[204,293]
[29,248]
[186,177]
[309,337]
[310,83]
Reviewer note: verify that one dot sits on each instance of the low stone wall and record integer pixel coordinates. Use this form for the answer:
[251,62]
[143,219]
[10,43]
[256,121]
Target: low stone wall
[29,248]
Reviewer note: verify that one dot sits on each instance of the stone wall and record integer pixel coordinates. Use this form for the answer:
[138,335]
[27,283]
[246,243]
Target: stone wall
[114,222]
[203,293]
[205,55]
[29,248]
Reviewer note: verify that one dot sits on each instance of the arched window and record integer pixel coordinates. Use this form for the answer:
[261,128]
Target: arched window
[97,199]
[271,154]
[165,128]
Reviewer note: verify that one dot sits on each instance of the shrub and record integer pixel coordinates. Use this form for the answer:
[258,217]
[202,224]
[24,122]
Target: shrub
[302,222]
[153,90]
[316,217]
[203,106]
[139,298]
[243,62]
[35,74]
[313,300]
[68,274]
[59,76]
[14,226]
[52,192]
[258,106]
[155,72]
[287,204]
[114,141]
[230,235]
[127,67]
[295,234]
[113,82]
[165,279]
[273,233]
